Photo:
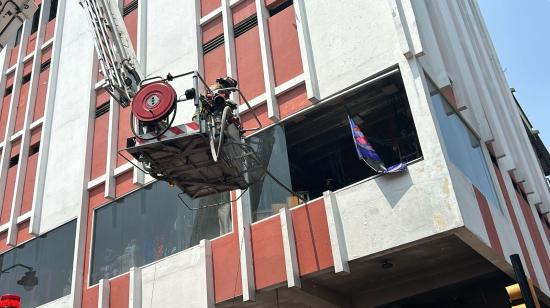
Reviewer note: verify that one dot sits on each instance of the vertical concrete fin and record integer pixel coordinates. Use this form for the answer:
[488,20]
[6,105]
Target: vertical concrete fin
[306,51]
[267,61]
[206,255]
[134,292]
[336,233]
[104,294]
[245,247]
[289,246]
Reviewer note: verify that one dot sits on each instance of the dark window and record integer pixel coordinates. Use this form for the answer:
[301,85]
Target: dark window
[26,78]
[51,258]
[36,20]
[18,37]
[150,224]
[14,161]
[44,66]
[102,109]
[280,7]
[35,148]
[315,152]
[53,10]
[8,91]
[132,6]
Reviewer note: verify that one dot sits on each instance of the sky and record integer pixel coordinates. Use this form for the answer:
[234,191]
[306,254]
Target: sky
[520,30]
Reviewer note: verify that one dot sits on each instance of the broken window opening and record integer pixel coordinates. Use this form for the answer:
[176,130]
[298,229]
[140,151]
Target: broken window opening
[315,152]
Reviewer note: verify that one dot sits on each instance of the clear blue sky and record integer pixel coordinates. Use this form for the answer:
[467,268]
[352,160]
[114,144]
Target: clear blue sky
[520,30]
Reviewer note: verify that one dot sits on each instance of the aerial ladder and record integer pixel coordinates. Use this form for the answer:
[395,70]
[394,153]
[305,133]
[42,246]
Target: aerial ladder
[12,15]
[202,158]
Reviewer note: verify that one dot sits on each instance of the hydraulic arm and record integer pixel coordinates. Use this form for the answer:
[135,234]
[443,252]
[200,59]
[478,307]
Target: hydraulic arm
[114,49]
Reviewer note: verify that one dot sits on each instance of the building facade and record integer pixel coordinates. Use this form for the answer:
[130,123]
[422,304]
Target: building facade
[420,78]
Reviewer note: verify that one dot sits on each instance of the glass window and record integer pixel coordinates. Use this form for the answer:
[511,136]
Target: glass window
[266,196]
[463,148]
[315,151]
[150,224]
[48,258]
[36,20]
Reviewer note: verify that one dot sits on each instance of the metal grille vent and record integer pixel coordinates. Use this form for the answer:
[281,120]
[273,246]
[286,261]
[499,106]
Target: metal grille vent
[245,25]
[102,109]
[130,7]
[279,8]
[213,44]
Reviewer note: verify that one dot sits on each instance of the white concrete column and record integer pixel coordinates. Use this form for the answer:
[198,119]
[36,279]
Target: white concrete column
[112,146]
[336,233]
[38,194]
[245,247]
[267,61]
[306,51]
[289,247]
[103,294]
[208,282]
[134,293]
[141,53]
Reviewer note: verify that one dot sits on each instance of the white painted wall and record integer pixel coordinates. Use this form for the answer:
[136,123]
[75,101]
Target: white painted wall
[173,51]
[394,210]
[180,280]
[351,40]
[65,170]
[64,302]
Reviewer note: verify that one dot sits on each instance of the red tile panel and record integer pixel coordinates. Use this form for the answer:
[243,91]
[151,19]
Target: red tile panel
[536,237]
[311,233]
[293,101]
[23,234]
[249,63]
[50,30]
[22,107]
[4,116]
[488,221]
[285,47]
[41,93]
[131,24]
[212,29]
[243,10]
[208,6]
[99,148]
[515,224]
[214,65]
[119,291]
[226,267]
[268,253]
[8,195]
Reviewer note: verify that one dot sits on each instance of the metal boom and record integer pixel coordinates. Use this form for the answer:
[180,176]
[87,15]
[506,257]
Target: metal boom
[115,53]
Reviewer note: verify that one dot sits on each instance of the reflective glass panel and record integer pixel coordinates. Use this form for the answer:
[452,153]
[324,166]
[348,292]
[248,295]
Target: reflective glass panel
[49,259]
[150,224]
[464,149]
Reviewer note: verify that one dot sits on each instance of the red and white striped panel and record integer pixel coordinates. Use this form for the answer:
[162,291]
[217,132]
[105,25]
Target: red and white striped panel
[172,132]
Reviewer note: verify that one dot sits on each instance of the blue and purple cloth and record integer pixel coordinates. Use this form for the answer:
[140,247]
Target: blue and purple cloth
[367,153]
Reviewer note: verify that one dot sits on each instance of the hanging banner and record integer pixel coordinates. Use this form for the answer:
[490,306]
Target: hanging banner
[367,153]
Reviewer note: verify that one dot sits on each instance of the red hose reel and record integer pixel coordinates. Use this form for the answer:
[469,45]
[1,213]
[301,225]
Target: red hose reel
[154,102]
